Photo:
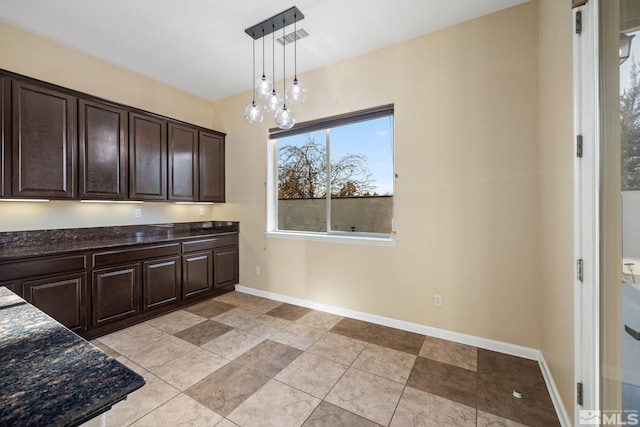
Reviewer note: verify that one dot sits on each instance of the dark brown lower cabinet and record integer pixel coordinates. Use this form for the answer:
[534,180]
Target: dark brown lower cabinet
[225,266]
[115,293]
[197,273]
[161,282]
[99,291]
[64,298]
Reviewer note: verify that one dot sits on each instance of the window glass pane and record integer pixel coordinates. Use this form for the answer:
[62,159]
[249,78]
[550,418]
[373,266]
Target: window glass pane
[362,176]
[302,179]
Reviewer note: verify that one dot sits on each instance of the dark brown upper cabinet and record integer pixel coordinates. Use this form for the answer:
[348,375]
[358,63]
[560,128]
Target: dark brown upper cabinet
[211,183]
[57,143]
[44,142]
[183,163]
[102,172]
[5,137]
[147,157]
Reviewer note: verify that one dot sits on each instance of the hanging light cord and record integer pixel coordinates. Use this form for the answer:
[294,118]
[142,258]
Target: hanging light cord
[295,47]
[273,51]
[284,76]
[263,76]
[253,70]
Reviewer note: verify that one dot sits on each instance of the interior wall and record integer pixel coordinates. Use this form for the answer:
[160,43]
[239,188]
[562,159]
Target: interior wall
[467,192]
[25,53]
[557,154]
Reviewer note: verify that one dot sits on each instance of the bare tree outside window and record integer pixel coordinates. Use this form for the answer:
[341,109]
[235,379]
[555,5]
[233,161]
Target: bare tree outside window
[630,131]
[302,173]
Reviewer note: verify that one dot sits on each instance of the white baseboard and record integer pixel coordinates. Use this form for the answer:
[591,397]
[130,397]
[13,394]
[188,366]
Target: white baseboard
[565,421]
[485,343]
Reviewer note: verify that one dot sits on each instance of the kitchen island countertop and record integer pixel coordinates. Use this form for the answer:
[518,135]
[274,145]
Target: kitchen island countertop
[49,375]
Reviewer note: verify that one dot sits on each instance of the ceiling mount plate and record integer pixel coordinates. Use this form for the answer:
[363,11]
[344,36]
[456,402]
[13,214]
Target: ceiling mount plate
[275,23]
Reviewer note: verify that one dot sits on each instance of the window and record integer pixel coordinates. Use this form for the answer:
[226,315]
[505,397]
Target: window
[334,176]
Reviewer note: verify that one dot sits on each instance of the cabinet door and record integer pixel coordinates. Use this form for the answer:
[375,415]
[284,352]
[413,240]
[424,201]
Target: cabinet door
[64,298]
[161,282]
[225,266]
[183,163]
[102,172]
[147,157]
[5,137]
[116,293]
[197,273]
[44,142]
[211,168]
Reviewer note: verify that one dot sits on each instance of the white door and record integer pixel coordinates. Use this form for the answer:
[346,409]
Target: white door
[608,209]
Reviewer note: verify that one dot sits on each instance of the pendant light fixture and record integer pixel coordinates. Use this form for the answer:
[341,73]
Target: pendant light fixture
[265,89]
[274,100]
[284,117]
[296,92]
[253,113]
[265,86]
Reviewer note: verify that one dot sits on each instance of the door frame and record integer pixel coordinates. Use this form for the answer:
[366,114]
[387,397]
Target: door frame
[587,181]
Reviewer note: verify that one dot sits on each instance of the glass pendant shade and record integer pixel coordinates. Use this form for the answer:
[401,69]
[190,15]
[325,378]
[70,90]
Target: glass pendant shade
[273,101]
[296,92]
[253,113]
[264,87]
[285,118]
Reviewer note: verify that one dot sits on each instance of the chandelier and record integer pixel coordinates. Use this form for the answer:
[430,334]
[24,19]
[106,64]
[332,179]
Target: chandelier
[265,89]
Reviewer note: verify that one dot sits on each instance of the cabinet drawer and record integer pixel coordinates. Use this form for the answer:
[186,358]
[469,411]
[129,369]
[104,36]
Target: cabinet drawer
[204,244]
[42,266]
[126,255]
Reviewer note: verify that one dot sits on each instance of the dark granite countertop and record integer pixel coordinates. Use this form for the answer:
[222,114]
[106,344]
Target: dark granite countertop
[25,244]
[50,376]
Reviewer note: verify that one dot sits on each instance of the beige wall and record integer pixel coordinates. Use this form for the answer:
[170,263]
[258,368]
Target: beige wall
[466,132]
[557,153]
[27,54]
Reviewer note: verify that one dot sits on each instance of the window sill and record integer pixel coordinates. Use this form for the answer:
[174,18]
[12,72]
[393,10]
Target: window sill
[389,241]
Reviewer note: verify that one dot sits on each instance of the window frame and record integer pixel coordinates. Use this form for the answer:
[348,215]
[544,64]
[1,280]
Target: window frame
[325,124]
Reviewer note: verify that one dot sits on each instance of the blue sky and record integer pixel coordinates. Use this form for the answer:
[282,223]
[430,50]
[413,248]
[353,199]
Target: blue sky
[371,138]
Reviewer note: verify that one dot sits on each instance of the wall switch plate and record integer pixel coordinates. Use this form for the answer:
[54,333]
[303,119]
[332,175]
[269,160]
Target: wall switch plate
[138,213]
[437,300]
[257,270]
[201,211]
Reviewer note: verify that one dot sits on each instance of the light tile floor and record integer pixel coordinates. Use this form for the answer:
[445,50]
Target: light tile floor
[241,360]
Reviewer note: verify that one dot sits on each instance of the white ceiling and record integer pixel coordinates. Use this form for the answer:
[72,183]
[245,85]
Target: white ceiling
[200,46]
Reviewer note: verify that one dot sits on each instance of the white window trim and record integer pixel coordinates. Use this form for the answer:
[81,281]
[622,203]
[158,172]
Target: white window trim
[271,207]
[346,238]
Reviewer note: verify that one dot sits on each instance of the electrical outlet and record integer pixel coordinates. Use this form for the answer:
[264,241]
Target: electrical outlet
[201,211]
[437,300]
[257,270]
[138,213]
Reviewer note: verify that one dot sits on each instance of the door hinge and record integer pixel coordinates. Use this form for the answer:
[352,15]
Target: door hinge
[579,22]
[580,270]
[579,146]
[579,394]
